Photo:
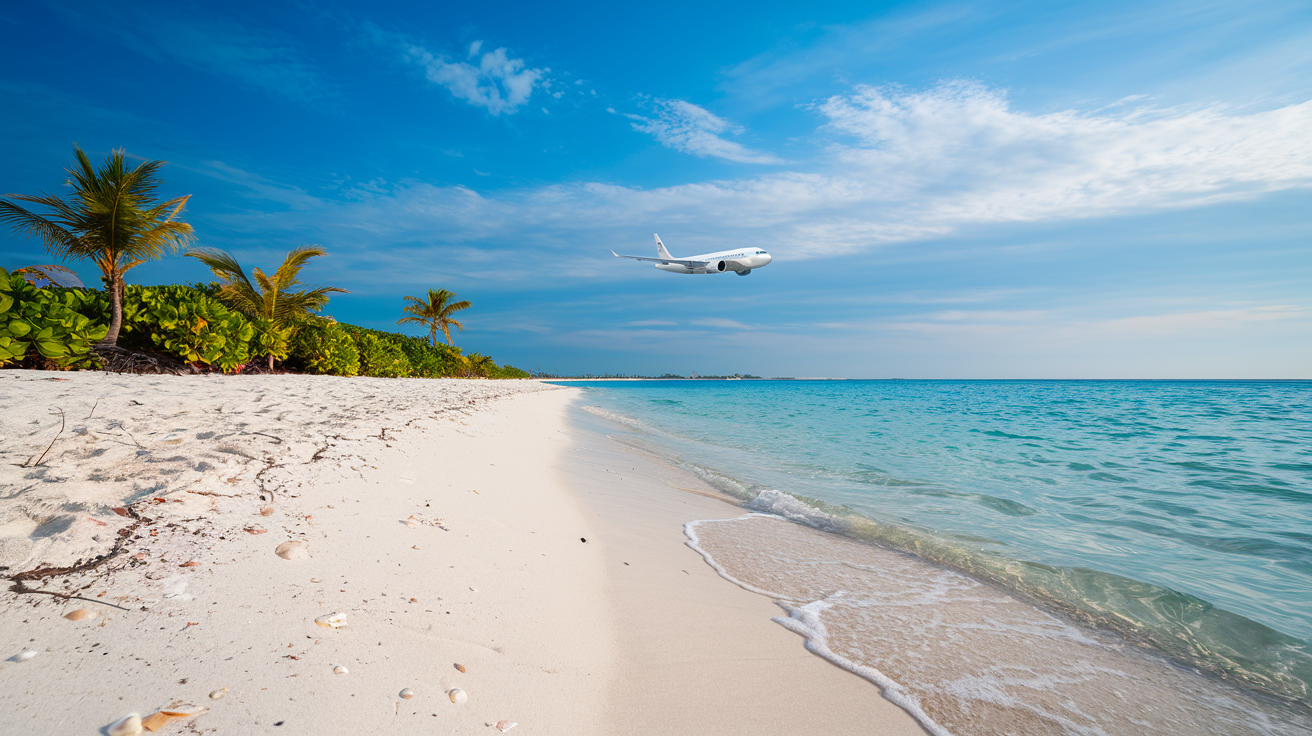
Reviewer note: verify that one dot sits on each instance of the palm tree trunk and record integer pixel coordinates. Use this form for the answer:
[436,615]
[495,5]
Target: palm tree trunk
[115,286]
[271,362]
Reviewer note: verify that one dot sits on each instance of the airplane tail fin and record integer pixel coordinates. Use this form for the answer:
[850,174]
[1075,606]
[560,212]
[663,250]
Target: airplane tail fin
[661,252]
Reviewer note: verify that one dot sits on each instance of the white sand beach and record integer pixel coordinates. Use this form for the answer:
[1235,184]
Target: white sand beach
[446,519]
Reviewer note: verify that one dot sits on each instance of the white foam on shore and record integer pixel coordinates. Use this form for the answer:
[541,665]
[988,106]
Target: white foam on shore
[961,655]
[805,621]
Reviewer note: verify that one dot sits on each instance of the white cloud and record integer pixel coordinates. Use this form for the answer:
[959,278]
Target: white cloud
[496,82]
[686,127]
[901,166]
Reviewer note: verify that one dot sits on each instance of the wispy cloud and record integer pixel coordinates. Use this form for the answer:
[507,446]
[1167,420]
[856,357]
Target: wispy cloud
[901,166]
[491,80]
[253,57]
[686,127]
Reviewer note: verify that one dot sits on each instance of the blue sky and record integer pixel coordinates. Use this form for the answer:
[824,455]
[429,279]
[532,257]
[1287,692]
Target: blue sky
[978,190]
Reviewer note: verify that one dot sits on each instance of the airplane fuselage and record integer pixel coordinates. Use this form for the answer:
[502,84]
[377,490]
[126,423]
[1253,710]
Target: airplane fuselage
[739,261]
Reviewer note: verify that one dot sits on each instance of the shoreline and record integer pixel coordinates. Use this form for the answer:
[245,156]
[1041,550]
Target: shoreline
[443,518]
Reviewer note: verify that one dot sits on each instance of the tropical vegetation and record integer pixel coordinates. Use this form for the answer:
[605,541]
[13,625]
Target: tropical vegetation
[112,218]
[272,303]
[49,320]
[435,312]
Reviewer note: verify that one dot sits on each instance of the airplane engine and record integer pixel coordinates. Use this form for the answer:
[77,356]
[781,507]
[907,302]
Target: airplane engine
[719,266]
[744,272]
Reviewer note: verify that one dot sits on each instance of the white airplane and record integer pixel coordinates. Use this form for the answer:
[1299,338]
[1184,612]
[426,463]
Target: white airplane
[740,261]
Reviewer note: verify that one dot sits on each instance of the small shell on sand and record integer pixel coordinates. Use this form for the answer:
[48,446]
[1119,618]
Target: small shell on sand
[129,725]
[266,511]
[412,523]
[155,721]
[340,670]
[315,580]
[184,710]
[460,667]
[80,614]
[295,549]
[457,695]
[26,656]
[332,620]
[504,726]
[407,693]
[218,694]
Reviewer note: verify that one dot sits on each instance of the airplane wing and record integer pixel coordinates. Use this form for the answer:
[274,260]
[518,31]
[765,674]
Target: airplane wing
[680,261]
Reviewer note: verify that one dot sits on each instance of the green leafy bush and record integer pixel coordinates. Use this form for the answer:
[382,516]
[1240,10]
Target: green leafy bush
[380,356]
[509,371]
[45,325]
[185,322]
[322,346]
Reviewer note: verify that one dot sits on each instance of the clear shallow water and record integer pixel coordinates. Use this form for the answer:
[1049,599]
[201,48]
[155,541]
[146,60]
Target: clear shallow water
[1178,513]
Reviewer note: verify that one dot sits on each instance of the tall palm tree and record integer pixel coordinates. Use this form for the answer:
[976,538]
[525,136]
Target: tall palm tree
[271,301]
[111,217]
[435,313]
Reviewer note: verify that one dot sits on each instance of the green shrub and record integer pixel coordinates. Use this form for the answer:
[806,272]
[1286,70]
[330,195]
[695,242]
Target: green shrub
[509,371]
[45,324]
[380,356]
[322,346]
[185,322]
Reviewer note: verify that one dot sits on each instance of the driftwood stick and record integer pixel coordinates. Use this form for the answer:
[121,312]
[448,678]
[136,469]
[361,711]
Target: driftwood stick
[52,442]
[18,587]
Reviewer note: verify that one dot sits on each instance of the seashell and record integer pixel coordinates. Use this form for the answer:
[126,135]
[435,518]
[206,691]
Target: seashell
[407,693]
[411,523]
[255,530]
[295,549]
[460,667]
[457,695]
[155,721]
[80,614]
[218,694]
[315,580]
[128,725]
[332,620]
[504,726]
[26,656]
[183,710]
[340,670]
[193,563]
[266,511]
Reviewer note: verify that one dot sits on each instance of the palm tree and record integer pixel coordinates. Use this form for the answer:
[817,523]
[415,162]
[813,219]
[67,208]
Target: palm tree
[111,217]
[435,313]
[270,301]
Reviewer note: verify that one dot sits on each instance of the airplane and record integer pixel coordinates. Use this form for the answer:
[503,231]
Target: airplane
[740,261]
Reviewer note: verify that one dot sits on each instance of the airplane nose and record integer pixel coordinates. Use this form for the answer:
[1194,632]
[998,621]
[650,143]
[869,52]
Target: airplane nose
[768,258]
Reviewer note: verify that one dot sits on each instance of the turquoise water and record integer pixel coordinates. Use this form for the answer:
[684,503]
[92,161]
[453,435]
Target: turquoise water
[1178,513]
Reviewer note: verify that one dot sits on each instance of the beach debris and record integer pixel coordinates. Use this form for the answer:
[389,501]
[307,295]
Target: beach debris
[333,620]
[460,667]
[255,530]
[457,695]
[340,670]
[25,656]
[412,523]
[218,694]
[295,549]
[193,563]
[121,511]
[583,540]
[80,614]
[407,693]
[315,580]
[504,726]
[183,710]
[266,511]
[128,725]
[414,600]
